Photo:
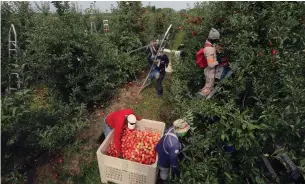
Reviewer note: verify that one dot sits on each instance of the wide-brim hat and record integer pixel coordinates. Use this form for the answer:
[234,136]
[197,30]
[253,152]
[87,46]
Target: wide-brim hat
[181,126]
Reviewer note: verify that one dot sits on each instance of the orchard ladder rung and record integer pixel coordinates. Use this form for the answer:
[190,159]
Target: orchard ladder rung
[12,31]
[12,40]
[18,81]
[12,47]
[14,89]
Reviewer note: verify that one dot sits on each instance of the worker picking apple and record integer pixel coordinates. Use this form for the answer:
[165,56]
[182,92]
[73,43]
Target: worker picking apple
[153,52]
[159,65]
[209,55]
[169,149]
[118,120]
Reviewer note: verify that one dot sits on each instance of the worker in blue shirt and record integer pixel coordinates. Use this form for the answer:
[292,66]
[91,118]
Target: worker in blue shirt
[169,149]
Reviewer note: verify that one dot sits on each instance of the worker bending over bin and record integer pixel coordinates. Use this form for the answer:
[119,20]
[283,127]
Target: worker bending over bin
[118,120]
[169,149]
[210,54]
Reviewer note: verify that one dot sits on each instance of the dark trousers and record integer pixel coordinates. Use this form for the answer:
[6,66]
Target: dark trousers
[159,83]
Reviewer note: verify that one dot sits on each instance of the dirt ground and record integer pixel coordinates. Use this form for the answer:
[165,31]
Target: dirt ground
[145,105]
[126,96]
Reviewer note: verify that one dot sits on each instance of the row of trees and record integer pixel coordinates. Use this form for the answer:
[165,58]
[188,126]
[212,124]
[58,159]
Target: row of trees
[65,70]
[261,105]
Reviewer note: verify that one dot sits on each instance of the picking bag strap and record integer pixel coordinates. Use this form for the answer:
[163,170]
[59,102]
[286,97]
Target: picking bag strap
[168,134]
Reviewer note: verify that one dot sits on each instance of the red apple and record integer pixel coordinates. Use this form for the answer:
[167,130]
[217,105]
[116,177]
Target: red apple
[59,160]
[260,54]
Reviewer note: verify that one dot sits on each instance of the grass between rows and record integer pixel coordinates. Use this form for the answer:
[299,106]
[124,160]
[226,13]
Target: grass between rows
[87,172]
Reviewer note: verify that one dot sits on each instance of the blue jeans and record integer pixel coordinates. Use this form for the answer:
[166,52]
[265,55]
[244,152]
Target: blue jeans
[107,128]
[153,74]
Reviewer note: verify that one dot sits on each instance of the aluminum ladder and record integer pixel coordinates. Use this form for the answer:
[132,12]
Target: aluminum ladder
[13,49]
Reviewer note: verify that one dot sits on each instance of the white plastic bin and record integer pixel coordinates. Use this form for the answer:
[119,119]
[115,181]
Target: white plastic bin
[122,171]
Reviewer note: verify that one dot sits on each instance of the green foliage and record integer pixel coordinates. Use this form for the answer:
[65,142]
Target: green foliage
[32,123]
[131,19]
[19,14]
[75,68]
[61,7]
[261,104]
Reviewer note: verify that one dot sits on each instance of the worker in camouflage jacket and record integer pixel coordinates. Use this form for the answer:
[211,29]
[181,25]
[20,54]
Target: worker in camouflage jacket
[210,54]
[169,149]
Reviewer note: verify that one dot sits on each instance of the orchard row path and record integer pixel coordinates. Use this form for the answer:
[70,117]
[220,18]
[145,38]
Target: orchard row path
[65,167]
[77,163]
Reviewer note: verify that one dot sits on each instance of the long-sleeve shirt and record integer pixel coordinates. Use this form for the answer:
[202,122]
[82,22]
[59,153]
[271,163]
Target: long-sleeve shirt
[168,149]
[210,54]
[116,120]
[163,59]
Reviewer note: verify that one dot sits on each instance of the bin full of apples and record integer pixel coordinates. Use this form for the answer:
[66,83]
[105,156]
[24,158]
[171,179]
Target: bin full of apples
[137,146]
